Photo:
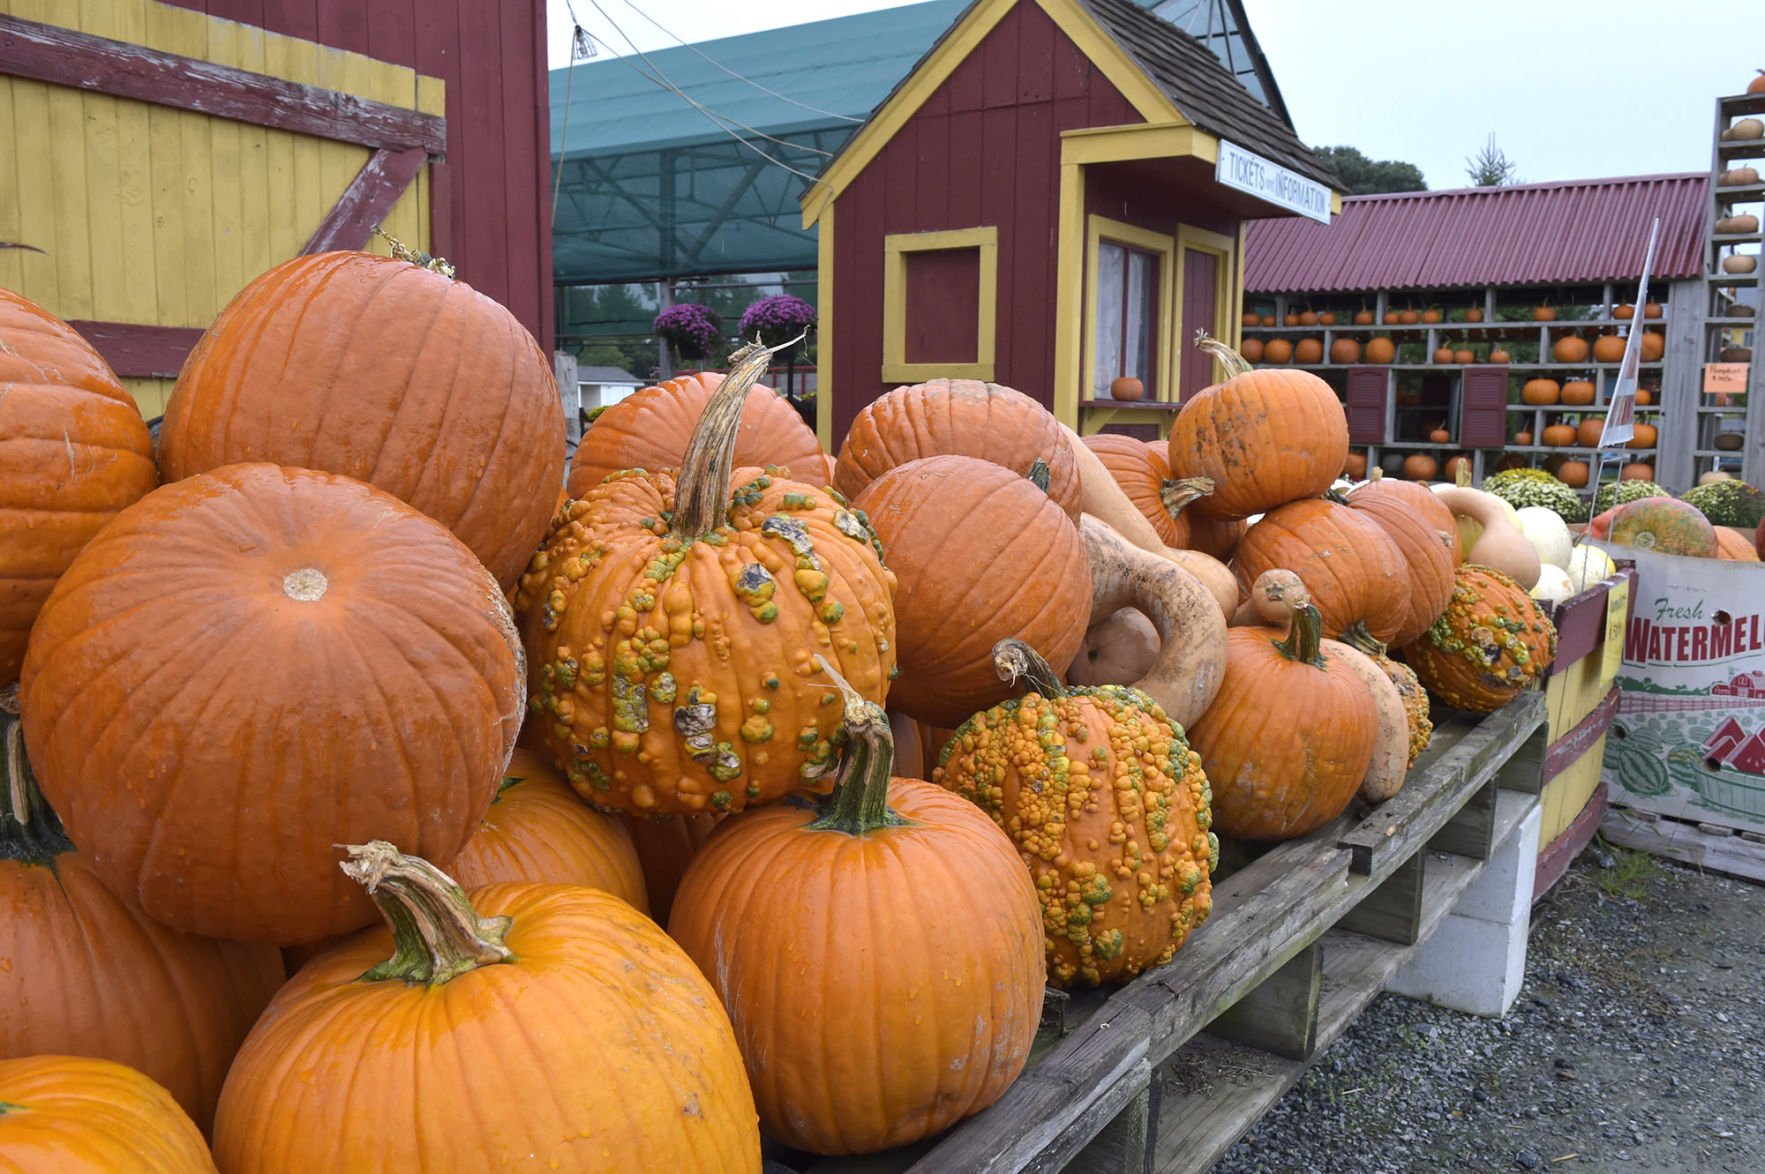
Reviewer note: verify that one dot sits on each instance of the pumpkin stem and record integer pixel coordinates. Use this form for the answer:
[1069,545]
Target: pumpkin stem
[1182,492]
[417,257]
[1228,358]
[1016,661]
[29,830]
[1356,636]
[1040,474]
[860,800]
[436,934]
[701,492]
[1305,636]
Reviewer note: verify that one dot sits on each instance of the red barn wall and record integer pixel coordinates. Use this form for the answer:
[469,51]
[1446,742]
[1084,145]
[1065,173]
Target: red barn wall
[983,150]
[492,216]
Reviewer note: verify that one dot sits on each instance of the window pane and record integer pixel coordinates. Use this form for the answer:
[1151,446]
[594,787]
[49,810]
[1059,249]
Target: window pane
[1111,262]
[1140,310]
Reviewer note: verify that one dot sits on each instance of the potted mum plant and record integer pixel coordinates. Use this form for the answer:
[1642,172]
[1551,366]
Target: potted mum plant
[692,331]
[776,320]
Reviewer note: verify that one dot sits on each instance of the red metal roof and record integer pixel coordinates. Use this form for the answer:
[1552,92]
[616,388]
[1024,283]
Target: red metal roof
[1527,234]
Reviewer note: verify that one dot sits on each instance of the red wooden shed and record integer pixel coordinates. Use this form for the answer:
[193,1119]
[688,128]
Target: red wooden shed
[1054,197]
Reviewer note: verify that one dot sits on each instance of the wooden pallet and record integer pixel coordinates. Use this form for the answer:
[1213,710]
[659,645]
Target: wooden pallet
[1712,846]
[1300,940]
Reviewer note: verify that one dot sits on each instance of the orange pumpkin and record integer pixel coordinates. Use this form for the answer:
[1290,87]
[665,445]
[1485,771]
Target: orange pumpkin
[1474,314]
[384,371]
[62,413]
[1356,466]
[1308,350]
[1326,318]
[385,696]
[1559,435]
[1522,437]
[1498,355]
[1440,434]
[1381,350]
[1251,349]
[1290,735]
[1308,318]
[1245,436]
[965,417]
[1292,318]
[1428,538]
[1589,430]
[1443,354]
[1408,317]
[665,847]
[1454,466]
[1144,475]
[1249,319]
[1464,355]
[1644,397]
[1277,350]
[1392,318]
[1540,392]
[1420,467]
[1608,348]
[1578,393]
[1651,310]
[1363,317]
[1431,315]
[1570,349]
[952,987]
[1355,571]
[1644,436]
[65,1113]
[1544,314]
[1637,471]
[1345,351]
[1491,642]
[1573,474]
[1735,545]
[564,1001]
[1654,345]
[1625,312]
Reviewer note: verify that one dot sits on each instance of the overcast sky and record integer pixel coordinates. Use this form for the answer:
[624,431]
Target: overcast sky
[1571,89]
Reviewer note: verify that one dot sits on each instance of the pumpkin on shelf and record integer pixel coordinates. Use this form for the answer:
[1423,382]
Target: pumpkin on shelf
[580,999]
[1391,318]
[1540,392]
[1490,642]
[1440,434]
[1651,310]
[1644,397]
[1249,319]
[1127,388]
[1292,318]
[1625,312]
[1643,436]
[1381,350]
[1326,318]
[1356,466]
[1308,317]
[1559,435]
[75,1113]
[1251,349]
[1463,356]
[1757,84]
[674,678]
[1498,355]
[1408,317]
[1577,393]
[1291,734]
[1363,317]
[1455,467]
[1431,315]
[1474,314]
[1443,354]
[1277,350]
[953,988]
[1355,571]
[1308,350]
[1573,473]
[1738,177]
[1746,224]
[1523,437]
[1343,351]
[1544,314]
[1608,348]
[1420,467]
[1268,320]
[1570,348]
[1589,431]
[1637,471]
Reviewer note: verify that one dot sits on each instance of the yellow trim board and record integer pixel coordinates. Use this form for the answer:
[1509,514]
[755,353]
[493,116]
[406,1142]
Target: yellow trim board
[1098,229]
[957,44]
[896,249]
[1068,291]
[1150,140]
[1192,239]
[824,333]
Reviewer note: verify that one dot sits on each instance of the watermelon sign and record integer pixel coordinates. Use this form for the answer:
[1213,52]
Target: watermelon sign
[1689,737]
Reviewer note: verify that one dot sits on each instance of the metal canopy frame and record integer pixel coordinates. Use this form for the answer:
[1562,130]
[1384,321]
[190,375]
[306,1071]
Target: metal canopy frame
[1223,27]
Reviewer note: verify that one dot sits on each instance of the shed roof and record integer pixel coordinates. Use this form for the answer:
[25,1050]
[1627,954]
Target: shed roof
[1527,234]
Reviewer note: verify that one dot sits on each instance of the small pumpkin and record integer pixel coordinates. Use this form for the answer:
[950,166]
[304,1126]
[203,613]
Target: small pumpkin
[1573,474]
[1277,350]
[1540,392]
[1392,318]
[1544,314]
[1637,471]
[1474,314]
[64,1113]
[1249,319]
[1757,84]
[1523,437]
[1127,389]
[1455,467]
[1463,356]
[1308,317]
[1292,318]
[1643,436]
[1491,642]
[1443,354]
[1735,545]
[1738,177]
[1363,317]
[1326,318]
[1570,348]
[1608,348]
[1644,397]
[1559,435]
[1625,312]
[1381,350]
[1420,467]
[1356,467]
[1267,320]
[1308,350]
[1408,317]
[1578,393]
[1431,315]
[1343,350]
[1354,571]
[952,985]
[1251,349]
[1651,310]
[1440,434]
[1653,346]
[1740,263]
[1498,355]
[1746,224]
[1589,430]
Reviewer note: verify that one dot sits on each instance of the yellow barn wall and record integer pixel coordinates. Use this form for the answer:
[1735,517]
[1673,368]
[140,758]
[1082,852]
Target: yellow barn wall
[165,214]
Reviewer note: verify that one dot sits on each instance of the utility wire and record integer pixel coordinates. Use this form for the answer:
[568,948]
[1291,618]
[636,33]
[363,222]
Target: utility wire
[732,73]
[580,45]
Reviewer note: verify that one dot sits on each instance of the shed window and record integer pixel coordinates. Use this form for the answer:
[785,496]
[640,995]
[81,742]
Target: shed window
[1127,316]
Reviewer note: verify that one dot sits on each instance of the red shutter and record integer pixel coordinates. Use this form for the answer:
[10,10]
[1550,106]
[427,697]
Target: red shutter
[1483,408]
[1366,405]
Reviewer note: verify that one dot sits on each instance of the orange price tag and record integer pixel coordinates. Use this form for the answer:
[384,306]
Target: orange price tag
[1725,378]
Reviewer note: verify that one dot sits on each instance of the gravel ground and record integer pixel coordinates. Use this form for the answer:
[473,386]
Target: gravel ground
[1638,1042]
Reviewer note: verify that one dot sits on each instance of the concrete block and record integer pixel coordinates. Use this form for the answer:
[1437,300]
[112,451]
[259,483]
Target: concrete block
[1502,892]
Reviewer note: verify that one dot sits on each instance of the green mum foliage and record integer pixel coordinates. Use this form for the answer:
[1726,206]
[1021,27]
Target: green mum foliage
[1626,492]
[1728,503]
[1542,490]
[1496,481]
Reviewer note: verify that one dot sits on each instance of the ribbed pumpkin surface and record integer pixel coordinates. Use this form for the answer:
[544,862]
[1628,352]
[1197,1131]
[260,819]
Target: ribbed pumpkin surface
[665,847]
[1355,572]
[388,373]
[1265,437]
[1141,471]
[1428,538]
[73,451]
[64,1113]
[1492,641]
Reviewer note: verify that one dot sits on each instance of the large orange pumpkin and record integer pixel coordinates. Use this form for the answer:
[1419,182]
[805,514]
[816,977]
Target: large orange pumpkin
[665,847]
[1735,545]
[1145,476]
[538,830]
[66,1113]
[1424,530]
[982,554]
[1491,642]
[389,373]
[964,417]
[670,623]
[1343,350]
[1109,808]
[649,429]
[948,978]
[1290,735]
[87,973]
[564,1005]
[251,665]
[73,451]
[1356,574]
[1263,437]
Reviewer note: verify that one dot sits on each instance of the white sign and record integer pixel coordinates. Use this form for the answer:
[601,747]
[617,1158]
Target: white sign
[1250,172]
[1621,413]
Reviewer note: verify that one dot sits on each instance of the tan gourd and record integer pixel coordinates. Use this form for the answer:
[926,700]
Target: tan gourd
[1500,544]
[1119,649]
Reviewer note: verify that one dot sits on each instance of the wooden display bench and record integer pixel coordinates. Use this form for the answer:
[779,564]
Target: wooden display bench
[1169,1071]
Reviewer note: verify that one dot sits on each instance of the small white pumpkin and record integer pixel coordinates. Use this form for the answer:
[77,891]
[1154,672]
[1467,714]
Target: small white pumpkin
[1553,584]
[1548,534]
[1588,565]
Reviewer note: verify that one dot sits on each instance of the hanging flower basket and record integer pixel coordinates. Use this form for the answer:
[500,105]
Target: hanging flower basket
[777,320]
[691,330]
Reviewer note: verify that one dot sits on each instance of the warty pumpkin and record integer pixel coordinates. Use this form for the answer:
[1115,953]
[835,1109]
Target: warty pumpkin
[387,372]
[282,659]
[1356,574]
[962,417]
[981,554]
[87,973]
[1290,736]
[1109,808]
[538,830]
[76,452]
[650,428]
[63,1113]
[947,976]
[1490,643]
[563,1004]
[1421,526]
[1262,437]
[670,622]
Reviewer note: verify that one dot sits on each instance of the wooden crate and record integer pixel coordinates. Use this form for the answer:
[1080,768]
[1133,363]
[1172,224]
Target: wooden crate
[1300,940]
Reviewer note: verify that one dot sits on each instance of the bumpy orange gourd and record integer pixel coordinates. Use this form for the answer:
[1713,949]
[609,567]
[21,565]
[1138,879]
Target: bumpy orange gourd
[278,659]
[649,429]
[1491,642]
[670,625]
[831,903]
[87,973]
[1262,437]
[962,417]
[75,451]
[538,830]
[1145,476]
[1108,807]
[387,372]
[1290,736]
[562,1004]
[66,1113]
[1424,531]
[1355,572]
[982,554]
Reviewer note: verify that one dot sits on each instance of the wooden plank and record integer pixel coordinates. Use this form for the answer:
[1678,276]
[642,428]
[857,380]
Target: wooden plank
[256,248]
[368,200]
[1281,1014]
[181,31]
[1125,1145]
[1561,852]
[138,351]
[1471,830]
[78,60]
[228,228]
[1569,748]
[1581,627]
[1688,843]
[1393,911]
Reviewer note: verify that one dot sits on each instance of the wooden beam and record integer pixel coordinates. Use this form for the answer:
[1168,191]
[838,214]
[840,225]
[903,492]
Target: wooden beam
[81,61]
[367,200]
[1281,1014]
[1568,749]
[140,352]
[1393,911]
